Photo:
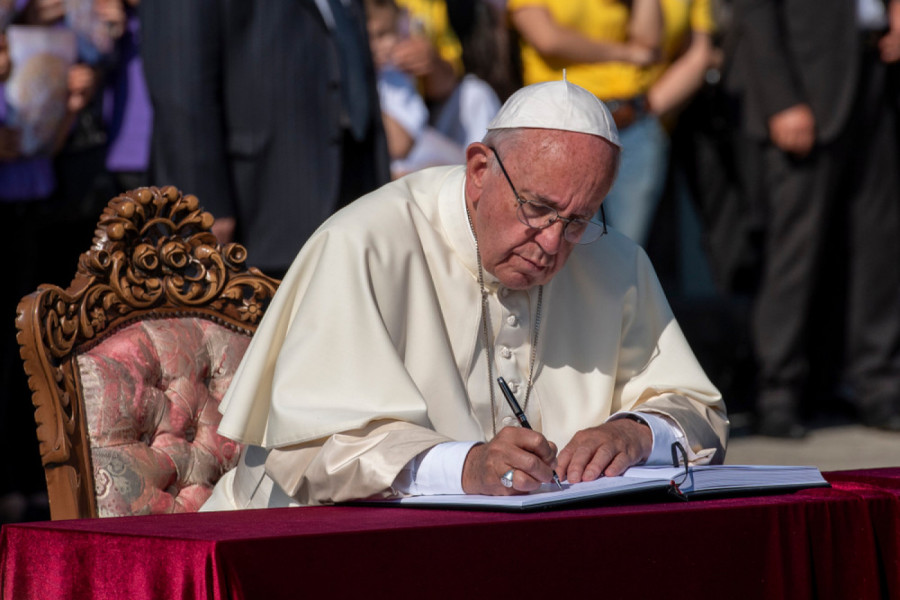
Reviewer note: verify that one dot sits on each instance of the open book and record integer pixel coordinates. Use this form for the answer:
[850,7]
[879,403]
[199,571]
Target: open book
[691,483]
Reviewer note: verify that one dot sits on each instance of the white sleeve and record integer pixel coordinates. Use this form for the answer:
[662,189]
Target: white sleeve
[437,470]
[665,432]
[400,100]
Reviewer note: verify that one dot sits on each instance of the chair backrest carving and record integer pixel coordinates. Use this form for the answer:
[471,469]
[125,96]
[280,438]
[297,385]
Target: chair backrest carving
[154,277]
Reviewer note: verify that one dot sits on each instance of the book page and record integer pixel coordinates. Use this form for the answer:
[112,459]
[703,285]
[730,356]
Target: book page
[547,495]
[747,479]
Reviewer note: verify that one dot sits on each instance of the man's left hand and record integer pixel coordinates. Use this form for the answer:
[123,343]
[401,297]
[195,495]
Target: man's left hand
[607,449]
[889,46]
[415,55]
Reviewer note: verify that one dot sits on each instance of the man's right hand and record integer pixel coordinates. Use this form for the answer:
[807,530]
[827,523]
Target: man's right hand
[640,55]
[223,228]
[793,129]
[414,55]
[527,452]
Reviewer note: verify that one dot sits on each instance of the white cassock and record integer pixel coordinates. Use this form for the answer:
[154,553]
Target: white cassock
[372,352]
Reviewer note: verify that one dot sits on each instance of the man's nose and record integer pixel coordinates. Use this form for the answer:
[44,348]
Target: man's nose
[550,238]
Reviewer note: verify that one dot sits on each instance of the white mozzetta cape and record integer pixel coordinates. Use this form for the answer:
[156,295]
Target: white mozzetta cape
[376,330]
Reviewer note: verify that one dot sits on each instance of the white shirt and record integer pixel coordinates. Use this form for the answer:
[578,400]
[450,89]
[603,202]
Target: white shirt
[870,15]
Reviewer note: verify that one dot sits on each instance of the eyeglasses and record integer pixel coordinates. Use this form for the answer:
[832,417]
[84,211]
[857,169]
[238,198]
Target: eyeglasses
[540,216]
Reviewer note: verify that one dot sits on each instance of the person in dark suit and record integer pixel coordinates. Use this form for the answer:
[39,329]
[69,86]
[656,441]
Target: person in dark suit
[266,111]
[811,79]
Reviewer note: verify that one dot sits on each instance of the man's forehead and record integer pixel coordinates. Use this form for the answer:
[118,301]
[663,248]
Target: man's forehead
[571,145]
[565,176]
[561,151]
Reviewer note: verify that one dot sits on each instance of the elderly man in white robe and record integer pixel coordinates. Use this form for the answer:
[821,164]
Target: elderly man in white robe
[374,371]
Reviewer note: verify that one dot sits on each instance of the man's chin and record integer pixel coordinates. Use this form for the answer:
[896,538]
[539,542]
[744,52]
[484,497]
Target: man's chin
[519,280]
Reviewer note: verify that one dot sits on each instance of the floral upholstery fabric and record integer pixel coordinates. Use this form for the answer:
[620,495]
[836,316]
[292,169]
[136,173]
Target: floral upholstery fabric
[151,394]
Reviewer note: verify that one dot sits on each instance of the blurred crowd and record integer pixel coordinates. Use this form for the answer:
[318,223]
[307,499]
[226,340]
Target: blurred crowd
[759,170]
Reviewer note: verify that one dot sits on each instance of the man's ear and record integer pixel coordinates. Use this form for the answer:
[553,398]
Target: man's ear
[476,169]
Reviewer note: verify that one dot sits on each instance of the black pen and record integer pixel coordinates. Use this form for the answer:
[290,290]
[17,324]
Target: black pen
[523,420]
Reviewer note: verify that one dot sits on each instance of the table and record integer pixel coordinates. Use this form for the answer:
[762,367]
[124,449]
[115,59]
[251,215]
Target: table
[838,542]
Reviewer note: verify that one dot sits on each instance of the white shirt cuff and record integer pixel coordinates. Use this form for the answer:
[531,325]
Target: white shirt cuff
[665,432]
[437,470]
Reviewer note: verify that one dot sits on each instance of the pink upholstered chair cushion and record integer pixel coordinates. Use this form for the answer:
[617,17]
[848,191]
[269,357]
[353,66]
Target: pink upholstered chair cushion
[151,393]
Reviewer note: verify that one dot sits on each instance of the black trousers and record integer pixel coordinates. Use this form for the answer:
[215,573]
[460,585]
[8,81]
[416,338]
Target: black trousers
[830,285]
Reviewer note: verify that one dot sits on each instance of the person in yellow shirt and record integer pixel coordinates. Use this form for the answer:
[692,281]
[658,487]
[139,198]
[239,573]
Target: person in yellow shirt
[687,54]
[605,46]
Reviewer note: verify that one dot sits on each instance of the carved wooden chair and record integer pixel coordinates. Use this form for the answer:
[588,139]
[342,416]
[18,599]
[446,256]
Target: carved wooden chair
[127,365]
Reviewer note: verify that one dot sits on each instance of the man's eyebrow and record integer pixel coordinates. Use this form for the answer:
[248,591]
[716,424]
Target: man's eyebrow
[527,195]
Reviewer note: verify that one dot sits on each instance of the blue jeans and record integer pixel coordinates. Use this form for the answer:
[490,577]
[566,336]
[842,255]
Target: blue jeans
[631,204]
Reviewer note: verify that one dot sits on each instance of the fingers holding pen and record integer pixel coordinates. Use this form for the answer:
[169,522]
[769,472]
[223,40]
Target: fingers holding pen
[528,453]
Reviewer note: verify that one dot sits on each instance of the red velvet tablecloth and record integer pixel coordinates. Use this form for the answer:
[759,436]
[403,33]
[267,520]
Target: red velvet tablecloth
[842,542]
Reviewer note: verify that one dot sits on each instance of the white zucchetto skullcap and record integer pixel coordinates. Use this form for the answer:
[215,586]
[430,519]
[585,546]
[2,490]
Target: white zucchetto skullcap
[557,105]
